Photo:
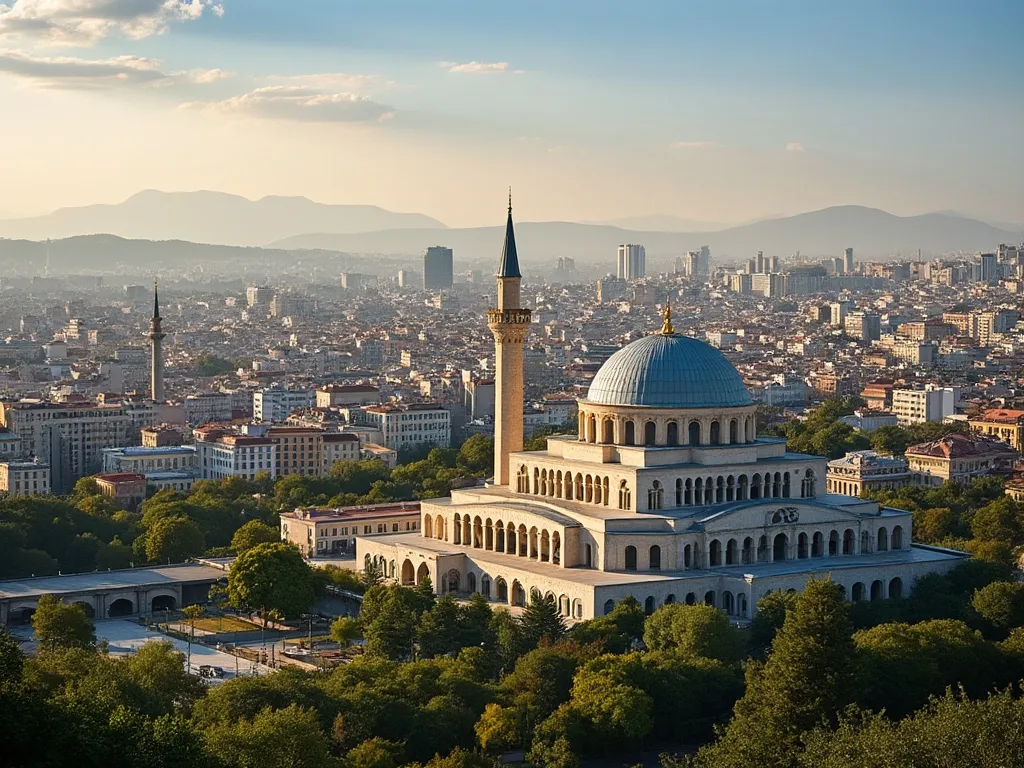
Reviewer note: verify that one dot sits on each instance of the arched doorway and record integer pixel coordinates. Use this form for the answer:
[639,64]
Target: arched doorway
[422,573]
[630,558]
[896,588]
[163,603]
[518,594]
[858,592]
[501,590]
[780,547]
[408,573]
[485,586]
[876,590]
[453,580]
[655,558]
[87,607]
[120,607]
[649,605]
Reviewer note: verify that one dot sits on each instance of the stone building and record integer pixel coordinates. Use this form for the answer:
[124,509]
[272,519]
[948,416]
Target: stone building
[862,471]
[666,494]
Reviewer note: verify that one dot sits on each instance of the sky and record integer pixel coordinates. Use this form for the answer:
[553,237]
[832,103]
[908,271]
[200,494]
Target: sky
[709,110]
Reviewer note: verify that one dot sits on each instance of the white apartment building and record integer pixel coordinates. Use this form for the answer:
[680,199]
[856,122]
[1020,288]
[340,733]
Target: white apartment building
[207,407]
[274,405]
[220,454]
[340,446]
[146,461]
[24,478]
[70,438]
[334,395]
[916,406]
[411,425]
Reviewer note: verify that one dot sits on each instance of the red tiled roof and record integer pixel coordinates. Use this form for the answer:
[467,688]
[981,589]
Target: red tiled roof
[959,446]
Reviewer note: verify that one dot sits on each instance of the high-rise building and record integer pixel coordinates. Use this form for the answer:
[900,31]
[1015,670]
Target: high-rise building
[509,323]
[848,261]
[632,262]
[759,263]
[156,338]
[437,268]
[256,295]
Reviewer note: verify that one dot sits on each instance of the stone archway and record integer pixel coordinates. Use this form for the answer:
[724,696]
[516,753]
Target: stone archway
[423,572]
[408,572]
[121,607]
[162,603]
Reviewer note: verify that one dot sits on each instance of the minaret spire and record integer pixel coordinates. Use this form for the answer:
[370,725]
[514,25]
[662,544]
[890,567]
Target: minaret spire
[509,323]
[156,339]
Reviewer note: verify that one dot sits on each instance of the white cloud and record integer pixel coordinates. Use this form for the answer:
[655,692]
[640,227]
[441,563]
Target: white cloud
[204,76]
[83,22]
[480,67]
[75,73]
[328,81]
[794,146]
[684,145]
[302,103]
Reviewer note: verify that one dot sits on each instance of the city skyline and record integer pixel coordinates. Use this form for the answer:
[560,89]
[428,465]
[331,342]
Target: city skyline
[708,114]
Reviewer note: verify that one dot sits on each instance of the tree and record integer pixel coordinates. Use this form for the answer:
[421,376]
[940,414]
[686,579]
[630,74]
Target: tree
[542,621]
[12,660]
[211,365]
[59,626]
[84,487]
[375,753]
[285,737]
[391,632]
[1001,603]
[174,539]
[698,630]
[271,577]
[807,678]
[477,454]
[252,533]
[999,520]
[438,631]
[617,631]
[345,630]
[509,643]
[770,616]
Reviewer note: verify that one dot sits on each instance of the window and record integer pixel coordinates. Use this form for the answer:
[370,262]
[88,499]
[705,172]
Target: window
[631,558]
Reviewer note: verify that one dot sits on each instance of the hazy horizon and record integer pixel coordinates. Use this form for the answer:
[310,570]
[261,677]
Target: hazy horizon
[708,112]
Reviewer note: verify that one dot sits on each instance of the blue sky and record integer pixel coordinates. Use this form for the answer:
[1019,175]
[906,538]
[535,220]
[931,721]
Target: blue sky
[712,111]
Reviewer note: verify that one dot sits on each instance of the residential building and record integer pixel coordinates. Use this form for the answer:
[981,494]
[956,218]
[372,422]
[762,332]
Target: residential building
[24,478]
[258,295]
[146,460]
[412,425]
[1003,424]
[861,472]
[275,404]
[340,446]
[161,436]
[207,408]
[782,392]
[867,420]
[375,451]
[478,397]
[916,406]
[958,458]
[300,450]
[332,532]
[221,452]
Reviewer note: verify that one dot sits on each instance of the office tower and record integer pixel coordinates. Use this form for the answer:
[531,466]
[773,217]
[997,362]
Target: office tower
[751,267]
[509,323]
[759,263]
[849,261]
[437,269]
[838,265]
[257,294]
[773,264]
[704,265]
[986,272]
[632,262]
[156,338]
[403,278]
[692,264]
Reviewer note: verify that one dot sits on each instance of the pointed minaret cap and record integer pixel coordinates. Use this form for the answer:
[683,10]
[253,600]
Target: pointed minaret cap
[509,266]
[156,300]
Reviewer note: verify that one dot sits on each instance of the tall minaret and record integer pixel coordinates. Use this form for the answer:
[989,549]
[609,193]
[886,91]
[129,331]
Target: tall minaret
[156,338]
[509,324]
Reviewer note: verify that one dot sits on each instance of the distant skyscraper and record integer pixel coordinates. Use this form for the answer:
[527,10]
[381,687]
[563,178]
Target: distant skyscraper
[704,266]
[258,294]
[759,263]
[437,268]
[773,264]
[849,261]
[156,338]
[632,262]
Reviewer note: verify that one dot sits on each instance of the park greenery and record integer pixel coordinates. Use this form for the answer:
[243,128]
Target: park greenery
[816,680]
[87,531]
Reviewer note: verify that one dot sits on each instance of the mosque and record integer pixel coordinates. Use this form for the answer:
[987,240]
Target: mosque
[666,494]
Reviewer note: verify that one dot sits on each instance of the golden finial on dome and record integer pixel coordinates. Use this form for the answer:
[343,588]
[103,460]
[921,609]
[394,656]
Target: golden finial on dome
[667,328]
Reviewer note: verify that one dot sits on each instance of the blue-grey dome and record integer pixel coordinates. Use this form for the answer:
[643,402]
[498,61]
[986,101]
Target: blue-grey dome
[669,371]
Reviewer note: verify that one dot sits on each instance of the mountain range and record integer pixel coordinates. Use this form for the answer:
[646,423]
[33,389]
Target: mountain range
[212,217]
[869,231]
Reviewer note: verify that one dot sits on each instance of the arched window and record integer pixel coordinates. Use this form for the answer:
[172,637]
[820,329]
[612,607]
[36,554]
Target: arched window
[625,498]
[679,492]
[650,433]
[579,487]
[655,557]
[741,605]
[801,546]
[458,529]
[849,542]
[649,605]
[691,599]
[471,581]
[536,481]
[630,558]
[672,433]
[734,432]
[833,543]
[865,542]
[687,556]
[592,435]
[720,490]
[780,547]
[731,552]
[785,485]
[807,485]
[428,526]
[670,598]
[609,606]
[858,592]
[728,604]
[605,484]
[716,432]
[896,588]
[588,556]
[755,486]
[709,598]
[588,484]
[630,438]
[876,590]
[485,586]
[501,590]
[897,538]
[655,496]
[762,549]
[523,480]
[748,550]
[693,433]
[818,545]
[715,553]
[609,431]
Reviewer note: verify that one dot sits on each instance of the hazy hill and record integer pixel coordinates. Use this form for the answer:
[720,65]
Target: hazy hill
[661,222]
[212,217]
[869,231]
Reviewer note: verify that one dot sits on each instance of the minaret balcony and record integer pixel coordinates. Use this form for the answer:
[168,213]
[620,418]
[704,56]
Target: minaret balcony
[508,317]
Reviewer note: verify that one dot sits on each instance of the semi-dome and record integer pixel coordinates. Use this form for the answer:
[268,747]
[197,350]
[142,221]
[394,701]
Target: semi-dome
[666,370]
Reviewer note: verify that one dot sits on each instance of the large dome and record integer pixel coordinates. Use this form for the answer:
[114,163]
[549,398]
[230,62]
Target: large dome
[667,370]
